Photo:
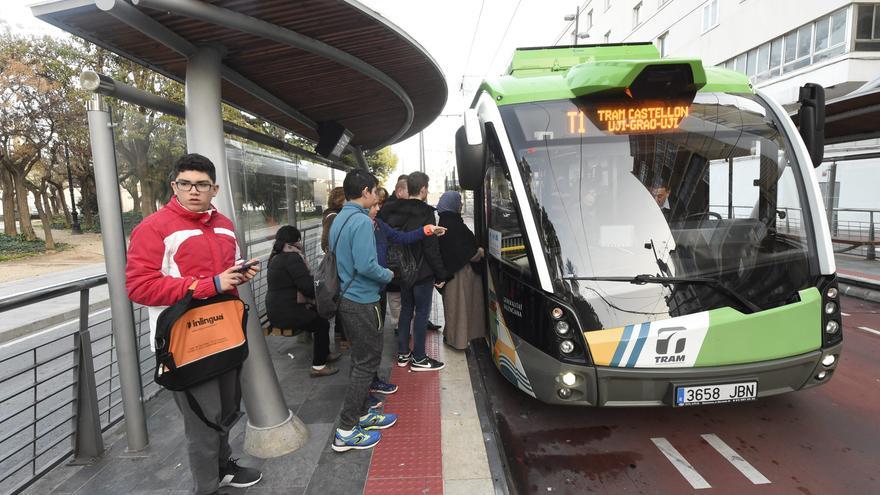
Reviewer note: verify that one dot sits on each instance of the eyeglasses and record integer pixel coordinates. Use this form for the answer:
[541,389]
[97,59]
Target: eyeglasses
[185,185]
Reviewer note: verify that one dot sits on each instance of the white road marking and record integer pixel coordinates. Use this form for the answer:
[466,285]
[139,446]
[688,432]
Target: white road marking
[844,314]
[870,330]
[681,464]
[734,458]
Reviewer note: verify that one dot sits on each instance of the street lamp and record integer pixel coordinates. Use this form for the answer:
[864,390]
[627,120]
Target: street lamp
[576,34]
[75,225]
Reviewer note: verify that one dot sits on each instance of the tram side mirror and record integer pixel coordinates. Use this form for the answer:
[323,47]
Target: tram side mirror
[470,156]
[811,118]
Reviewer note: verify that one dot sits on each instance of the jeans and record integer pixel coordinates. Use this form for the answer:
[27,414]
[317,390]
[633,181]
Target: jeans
[416,298]
[364,329]
[209,449]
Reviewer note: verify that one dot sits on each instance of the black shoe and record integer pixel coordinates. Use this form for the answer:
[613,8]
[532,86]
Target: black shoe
[426,364]
[238,476]
[432,326]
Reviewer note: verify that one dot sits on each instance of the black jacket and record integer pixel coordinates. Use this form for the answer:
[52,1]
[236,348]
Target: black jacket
[458,245]
[410,214]
[287,274]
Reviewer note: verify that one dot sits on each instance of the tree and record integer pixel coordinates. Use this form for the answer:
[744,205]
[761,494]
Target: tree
[380,163]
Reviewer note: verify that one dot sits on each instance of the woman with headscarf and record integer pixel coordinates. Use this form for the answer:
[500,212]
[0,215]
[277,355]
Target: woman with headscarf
[289,298]
[462,294]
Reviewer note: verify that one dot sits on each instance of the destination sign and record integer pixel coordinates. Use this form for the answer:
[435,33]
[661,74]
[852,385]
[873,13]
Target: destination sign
[629,120]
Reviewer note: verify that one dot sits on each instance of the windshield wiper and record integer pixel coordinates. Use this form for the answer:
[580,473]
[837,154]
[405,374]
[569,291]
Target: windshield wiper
[645,278]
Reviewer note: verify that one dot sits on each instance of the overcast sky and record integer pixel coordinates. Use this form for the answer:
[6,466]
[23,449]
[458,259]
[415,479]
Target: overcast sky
[469,39]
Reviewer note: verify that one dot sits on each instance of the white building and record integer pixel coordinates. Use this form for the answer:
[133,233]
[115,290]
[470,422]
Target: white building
[779,44]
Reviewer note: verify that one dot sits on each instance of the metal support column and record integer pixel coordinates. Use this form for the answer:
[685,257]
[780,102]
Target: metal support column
[872,250]
[272,429]
[113,237]
[88,443]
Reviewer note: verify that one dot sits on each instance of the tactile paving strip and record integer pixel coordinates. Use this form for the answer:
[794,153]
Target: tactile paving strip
[409,458]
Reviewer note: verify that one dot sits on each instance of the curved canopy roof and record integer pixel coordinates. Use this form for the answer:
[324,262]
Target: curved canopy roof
[295,64]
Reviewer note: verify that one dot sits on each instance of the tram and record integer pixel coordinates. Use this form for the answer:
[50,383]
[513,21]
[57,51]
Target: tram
[655,230]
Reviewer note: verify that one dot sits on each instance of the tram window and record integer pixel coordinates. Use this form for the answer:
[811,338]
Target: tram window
[503,218]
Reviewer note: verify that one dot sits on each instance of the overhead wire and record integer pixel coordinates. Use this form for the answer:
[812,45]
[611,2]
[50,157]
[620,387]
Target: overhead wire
[503,37]
[471,49]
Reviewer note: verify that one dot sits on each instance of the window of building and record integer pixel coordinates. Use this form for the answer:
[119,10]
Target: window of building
[590,19]
[661,3]
[607,4]
[867,28]
[636,14]
[661,44]
[808,44]
[607,37]
[710,15]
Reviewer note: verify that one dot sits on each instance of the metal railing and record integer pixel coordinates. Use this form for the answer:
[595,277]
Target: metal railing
[59,387]
[848,235]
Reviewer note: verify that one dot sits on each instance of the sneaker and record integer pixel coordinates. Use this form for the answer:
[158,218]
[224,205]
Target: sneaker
[238,476]
[359,439]
[426,364]
[404,359]
[376,421]
[327,370]
[374,402]
[382,387]
[433,326]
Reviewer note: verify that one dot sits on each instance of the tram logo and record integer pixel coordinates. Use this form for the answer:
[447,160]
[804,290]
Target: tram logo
[675,337]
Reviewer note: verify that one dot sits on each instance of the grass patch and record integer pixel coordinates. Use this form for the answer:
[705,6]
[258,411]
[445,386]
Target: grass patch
[14,247]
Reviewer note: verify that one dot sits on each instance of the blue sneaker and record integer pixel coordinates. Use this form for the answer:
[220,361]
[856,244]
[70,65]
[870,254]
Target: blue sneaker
[382,387]
[374,402]
[376,421]
[359,439]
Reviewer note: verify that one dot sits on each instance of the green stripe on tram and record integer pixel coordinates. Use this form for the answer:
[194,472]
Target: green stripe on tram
[735,338]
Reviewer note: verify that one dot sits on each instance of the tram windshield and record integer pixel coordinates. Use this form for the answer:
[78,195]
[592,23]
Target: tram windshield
[706,188]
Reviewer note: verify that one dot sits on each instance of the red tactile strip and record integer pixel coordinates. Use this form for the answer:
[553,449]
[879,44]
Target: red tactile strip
[409,458]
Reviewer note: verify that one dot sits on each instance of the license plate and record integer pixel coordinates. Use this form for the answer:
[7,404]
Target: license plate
[713,394]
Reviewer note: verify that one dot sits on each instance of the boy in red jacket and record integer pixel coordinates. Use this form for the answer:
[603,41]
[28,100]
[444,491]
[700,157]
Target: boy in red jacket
[189,240]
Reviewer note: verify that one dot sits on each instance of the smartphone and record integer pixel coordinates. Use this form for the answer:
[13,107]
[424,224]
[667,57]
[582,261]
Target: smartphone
[247,266]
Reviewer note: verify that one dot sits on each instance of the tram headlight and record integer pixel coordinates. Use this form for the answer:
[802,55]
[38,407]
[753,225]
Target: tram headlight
[827,360]
[569,379]
[831,293]
[832,327]
[821,375]
[830,308]
[566,346]
[562,328]
[564,393]
[557,313]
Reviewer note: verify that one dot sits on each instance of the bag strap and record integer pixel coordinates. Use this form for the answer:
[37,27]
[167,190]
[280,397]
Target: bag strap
[197,409]
[336,243]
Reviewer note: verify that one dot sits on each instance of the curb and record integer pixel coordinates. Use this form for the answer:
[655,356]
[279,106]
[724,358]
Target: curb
[859,287]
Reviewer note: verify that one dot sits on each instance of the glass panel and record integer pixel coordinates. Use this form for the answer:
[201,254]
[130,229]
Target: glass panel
[776,52]
[805,35]
[822,28]
[876,22]
[503,217]
[790,46]
[751,62]
[704,195]
[763,58]
[838,27]
[865,21]
[867,46]
[837,50]
[741,63]
[706,13]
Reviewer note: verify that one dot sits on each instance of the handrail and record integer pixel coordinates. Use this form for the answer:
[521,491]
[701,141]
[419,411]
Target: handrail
[37,295]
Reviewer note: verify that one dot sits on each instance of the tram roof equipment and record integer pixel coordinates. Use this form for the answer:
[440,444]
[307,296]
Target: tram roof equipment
[299,65]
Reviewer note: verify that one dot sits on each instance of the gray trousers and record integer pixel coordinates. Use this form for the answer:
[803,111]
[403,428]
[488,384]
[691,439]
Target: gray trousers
[363,327]
[209,449]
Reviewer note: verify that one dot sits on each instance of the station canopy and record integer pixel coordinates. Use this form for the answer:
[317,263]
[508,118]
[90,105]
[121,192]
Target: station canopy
[298,64]
[852,117]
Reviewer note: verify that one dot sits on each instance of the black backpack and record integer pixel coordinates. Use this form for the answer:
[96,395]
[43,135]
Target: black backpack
[327,281]
[402,262]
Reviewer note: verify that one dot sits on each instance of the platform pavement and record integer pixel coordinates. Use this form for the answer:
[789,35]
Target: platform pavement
[448,409]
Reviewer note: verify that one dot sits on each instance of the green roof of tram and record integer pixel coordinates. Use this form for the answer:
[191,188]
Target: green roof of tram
[538,74]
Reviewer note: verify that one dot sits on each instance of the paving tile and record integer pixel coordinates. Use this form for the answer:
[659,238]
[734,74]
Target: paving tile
[468,487]
[457,400]
[296,468]
[404,486]
[465,453]
[323,404]
[259,489]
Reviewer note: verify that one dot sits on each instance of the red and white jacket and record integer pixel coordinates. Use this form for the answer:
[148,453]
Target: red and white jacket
[172,248]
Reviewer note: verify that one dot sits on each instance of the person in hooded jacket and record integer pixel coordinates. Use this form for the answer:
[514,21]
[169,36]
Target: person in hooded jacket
[405,215]
[289,298]
[459,249]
